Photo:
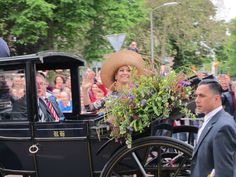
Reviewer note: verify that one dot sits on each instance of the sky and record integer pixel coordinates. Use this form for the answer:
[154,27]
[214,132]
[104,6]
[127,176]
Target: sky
[226,9]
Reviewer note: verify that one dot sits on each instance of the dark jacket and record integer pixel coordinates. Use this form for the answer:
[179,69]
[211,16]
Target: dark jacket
[227,102]
[216,148]
[47,113]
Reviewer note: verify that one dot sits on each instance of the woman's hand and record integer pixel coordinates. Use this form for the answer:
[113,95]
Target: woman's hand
[88,79]
[86,85]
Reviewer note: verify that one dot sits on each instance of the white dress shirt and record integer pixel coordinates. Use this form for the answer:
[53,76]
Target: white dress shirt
[207,118]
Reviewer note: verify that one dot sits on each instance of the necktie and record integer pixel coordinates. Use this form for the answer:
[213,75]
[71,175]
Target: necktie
[52,110]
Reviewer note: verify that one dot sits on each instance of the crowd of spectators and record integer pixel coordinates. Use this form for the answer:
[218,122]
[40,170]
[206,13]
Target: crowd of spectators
[60,86]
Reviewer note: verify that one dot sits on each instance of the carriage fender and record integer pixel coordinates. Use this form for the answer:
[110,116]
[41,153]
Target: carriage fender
[106,144]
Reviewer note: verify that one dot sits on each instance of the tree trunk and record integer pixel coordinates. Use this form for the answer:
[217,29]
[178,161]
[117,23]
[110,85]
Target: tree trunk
[50,36]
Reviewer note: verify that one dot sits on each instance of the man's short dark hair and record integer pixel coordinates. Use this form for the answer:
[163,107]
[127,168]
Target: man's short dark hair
[213,85]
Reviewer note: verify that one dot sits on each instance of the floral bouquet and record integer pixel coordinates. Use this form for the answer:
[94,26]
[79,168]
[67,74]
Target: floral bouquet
[150,97]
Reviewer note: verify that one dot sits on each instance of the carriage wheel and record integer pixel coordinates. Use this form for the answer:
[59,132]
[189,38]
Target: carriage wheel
[151,157]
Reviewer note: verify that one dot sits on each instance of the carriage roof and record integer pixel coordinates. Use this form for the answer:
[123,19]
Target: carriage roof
[47,57]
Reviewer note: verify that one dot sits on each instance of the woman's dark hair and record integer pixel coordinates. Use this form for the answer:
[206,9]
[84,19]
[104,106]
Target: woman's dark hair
[61,76]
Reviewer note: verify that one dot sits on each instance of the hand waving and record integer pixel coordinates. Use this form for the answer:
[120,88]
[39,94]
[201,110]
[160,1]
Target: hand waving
[88,79]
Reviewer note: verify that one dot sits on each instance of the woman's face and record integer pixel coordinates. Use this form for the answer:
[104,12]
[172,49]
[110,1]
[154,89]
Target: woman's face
[94,87]
[18,82]
[224,82]
[123,75]
[97,91]
[59,81]
[65,98]
[56,93]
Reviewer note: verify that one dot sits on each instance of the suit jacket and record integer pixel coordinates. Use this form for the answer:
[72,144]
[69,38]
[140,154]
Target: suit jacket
[216,148]
[47,113]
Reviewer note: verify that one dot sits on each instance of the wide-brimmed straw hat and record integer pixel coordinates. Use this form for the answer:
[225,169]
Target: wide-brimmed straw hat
[116,60]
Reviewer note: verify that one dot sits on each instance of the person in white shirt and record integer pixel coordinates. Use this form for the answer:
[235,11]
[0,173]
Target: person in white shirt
[215,151]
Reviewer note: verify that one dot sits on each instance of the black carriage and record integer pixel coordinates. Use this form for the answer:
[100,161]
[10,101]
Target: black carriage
[74,147]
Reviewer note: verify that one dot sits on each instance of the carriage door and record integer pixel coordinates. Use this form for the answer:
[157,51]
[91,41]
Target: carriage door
[15,129]
[63,147]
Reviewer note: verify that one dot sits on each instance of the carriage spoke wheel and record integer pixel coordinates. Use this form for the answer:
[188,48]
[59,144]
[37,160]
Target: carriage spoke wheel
[151,157]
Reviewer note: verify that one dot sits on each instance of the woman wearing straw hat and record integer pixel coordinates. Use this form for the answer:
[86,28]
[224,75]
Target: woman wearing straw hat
[115,75]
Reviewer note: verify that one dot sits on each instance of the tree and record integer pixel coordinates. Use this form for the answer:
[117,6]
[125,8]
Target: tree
[179,30]
[110,17]
[228,57]
[65,24]
[40,24]
[81,26]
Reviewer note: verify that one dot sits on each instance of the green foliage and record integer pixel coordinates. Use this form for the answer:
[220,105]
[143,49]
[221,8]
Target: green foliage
[179,29]
[151,97]
[26,17]
[81,26]
[41,25]
[229,53]
[110,17]
[63,24]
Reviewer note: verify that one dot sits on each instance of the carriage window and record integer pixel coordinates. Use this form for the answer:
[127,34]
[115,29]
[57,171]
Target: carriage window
[58,85]
[12,95]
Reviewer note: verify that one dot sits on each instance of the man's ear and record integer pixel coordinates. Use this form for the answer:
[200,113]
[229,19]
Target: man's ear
[218,97]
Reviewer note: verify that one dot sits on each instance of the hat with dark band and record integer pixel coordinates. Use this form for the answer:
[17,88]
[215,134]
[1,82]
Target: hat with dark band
[118,59]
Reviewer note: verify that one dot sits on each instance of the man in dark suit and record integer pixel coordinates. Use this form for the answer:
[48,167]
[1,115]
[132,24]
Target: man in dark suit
[49,110]
[215,151]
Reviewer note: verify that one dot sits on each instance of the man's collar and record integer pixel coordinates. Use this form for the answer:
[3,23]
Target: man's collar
[213,112]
